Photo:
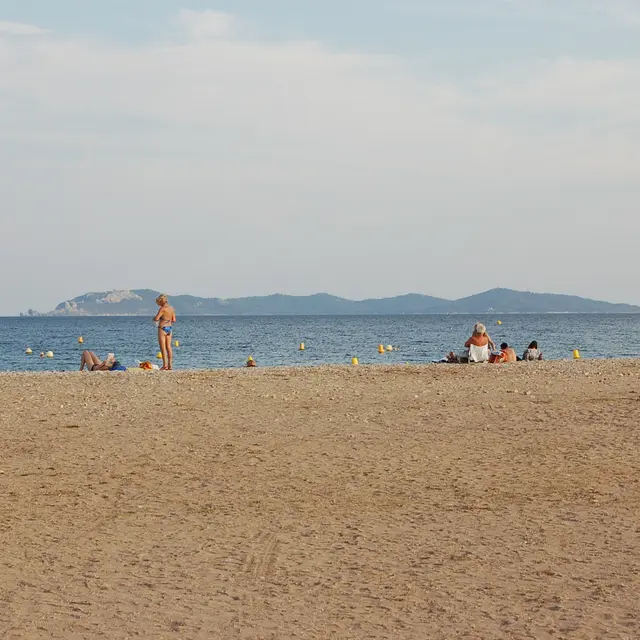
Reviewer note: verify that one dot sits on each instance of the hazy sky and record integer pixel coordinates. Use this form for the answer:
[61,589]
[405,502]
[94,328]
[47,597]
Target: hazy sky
[364,148]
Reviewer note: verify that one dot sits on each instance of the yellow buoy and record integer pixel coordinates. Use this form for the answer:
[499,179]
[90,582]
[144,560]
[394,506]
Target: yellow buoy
[576,354]
[301,347]
[354,361]
[499,322]
[389,347]
[159,356]
[380,348]
[49,354]
[80,340]
[28,351]
[177,343]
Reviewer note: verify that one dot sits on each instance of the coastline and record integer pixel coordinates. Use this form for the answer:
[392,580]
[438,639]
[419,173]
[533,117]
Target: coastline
[546,365]
[491,313]
[372,501]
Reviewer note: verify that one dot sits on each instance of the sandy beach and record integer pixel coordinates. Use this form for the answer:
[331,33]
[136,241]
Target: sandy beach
[440,501]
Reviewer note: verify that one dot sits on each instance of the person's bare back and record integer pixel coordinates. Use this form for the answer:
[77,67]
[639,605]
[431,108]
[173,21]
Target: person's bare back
[166,315]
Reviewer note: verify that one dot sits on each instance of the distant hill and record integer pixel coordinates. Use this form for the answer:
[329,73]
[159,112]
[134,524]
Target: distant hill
[509,301]
[141,302]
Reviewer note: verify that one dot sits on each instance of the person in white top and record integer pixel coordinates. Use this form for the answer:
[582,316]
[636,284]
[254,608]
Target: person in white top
[532,352]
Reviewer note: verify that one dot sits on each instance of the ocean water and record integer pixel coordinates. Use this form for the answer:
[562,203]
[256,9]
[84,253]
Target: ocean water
[223,341]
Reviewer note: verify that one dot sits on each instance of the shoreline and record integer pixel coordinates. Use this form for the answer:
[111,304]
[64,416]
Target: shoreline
[337,315]
[583,361]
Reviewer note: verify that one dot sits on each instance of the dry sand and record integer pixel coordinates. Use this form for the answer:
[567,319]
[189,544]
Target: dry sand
[390,502]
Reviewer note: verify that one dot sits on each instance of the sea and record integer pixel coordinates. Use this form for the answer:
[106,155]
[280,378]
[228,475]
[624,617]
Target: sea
[212,342]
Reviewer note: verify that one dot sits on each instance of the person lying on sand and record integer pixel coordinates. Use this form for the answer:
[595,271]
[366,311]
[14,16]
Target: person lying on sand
[93,363]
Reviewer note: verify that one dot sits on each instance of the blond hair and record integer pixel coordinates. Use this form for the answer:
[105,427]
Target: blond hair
[162,299]
[480,329]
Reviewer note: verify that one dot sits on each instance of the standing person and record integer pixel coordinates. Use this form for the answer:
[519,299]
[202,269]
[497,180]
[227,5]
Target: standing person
[164,320]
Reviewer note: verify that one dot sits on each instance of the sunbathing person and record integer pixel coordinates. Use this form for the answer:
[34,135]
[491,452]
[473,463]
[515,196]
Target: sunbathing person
[93,363]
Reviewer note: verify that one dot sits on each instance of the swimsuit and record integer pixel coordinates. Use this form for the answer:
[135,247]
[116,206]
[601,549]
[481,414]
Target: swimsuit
[167,330]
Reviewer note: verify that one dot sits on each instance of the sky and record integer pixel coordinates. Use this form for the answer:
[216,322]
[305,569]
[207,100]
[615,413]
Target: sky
[365,149]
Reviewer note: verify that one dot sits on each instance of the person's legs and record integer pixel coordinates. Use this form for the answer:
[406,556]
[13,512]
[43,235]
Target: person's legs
[169,351]
[163,348]
[89,359]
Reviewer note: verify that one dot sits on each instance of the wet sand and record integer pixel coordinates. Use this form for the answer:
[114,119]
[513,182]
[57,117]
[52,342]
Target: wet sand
[389,502]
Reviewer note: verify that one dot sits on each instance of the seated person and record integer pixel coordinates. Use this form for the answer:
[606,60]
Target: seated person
[93,363]
[532,352]
[480,338]
[508,354]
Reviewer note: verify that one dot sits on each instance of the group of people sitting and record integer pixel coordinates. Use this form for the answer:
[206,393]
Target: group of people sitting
[481,348]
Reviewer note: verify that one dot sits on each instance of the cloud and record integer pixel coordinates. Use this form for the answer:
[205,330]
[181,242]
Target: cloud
[19,29]
[615,13]
[306,167]
[623,12]
[207,24]
[289,99]
[605,89]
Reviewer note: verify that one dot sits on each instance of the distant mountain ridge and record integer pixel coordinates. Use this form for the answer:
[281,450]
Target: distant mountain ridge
[141,302]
